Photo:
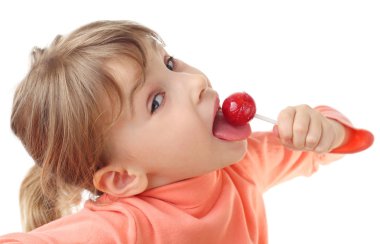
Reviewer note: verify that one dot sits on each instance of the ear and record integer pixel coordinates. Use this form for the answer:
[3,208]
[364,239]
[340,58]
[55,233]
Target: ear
[118,182]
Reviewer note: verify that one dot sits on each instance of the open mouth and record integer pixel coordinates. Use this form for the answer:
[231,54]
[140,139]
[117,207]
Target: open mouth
[225,131]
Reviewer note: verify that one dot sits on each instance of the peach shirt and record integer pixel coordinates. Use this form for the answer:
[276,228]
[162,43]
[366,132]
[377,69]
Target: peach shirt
[224,206]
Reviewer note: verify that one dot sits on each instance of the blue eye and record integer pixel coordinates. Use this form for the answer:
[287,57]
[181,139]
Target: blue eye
[170,63]
[157,101]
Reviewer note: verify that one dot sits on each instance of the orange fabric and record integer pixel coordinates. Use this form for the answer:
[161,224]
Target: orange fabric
[224,206]
[357,139]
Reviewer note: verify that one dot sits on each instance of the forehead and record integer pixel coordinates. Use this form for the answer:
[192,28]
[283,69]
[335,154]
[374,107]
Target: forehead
[124,66]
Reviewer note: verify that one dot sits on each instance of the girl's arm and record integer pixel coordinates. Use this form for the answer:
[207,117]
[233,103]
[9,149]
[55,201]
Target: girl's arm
[271,162]
[86,226]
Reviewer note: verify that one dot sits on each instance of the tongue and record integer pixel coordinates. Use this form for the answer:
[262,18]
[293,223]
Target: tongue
[225,131]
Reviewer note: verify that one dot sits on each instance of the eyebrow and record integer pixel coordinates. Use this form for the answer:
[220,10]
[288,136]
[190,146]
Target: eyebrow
[137,86]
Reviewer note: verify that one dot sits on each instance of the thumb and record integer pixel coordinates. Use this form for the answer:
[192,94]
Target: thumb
[275,131]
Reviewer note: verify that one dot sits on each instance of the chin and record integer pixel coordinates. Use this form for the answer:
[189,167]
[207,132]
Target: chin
[236,153]
[242,150]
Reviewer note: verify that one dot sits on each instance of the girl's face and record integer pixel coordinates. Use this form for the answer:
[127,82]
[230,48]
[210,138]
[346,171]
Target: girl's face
[169,133]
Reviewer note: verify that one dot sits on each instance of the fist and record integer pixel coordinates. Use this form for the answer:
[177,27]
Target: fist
[304,128]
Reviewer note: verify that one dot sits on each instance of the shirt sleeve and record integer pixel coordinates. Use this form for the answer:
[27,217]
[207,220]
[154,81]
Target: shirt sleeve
[271,163]
[357,139]
[85,226]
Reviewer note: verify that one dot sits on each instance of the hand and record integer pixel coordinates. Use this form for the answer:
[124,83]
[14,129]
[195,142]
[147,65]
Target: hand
[304,128]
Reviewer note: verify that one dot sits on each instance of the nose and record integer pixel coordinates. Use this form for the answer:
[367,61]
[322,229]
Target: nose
[196,84]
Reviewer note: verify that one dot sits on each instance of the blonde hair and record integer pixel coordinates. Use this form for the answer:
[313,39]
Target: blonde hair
[58,114]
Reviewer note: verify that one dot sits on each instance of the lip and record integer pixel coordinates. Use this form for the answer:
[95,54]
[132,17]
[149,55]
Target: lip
[215,112]
[216,106]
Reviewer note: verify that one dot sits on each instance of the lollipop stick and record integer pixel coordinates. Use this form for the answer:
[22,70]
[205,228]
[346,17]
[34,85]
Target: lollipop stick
[269,120]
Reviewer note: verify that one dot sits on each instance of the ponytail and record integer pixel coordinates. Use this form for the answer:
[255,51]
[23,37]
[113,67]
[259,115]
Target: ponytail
[36,209]
[41,204]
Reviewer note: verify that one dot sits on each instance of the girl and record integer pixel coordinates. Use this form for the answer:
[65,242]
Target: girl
[107,110]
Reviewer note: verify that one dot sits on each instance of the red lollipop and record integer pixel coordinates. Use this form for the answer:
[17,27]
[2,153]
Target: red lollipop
[239,108]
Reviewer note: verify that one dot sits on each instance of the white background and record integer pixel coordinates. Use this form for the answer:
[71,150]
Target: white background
[281,52]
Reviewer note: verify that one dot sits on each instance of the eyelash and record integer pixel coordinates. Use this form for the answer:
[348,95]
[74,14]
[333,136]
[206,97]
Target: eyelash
[154,106]
[170,63]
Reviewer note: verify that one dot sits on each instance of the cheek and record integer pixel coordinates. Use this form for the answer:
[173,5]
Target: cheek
[179,140]
[181,135]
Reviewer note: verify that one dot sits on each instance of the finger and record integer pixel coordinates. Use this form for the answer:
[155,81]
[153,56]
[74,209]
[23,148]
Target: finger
[275,131]
[285,125]
[314,134]
[300,129]
[327,139]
